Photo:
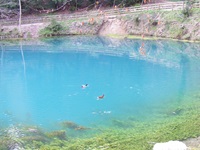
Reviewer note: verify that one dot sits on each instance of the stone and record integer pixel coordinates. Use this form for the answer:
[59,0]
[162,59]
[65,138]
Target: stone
[171,145]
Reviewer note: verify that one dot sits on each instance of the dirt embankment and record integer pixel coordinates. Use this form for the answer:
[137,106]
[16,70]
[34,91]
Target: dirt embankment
[158,24]
[170,25]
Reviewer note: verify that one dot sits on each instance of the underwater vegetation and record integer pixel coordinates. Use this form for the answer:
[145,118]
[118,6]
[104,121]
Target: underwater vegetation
[57,134]
[179,123]
[72,125]
[69,124]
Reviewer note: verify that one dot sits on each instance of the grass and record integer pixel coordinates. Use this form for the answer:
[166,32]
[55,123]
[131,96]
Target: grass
[175,31]
[74,20]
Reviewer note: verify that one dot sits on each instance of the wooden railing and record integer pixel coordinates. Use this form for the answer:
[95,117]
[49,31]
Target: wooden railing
[2,37]
[109,13]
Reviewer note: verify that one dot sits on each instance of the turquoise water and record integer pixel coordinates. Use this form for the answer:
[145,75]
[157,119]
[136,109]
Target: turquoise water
[40,81]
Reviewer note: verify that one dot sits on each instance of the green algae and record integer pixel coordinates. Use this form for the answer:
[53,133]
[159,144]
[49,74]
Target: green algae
[139,135]
[129,133]
[58,134]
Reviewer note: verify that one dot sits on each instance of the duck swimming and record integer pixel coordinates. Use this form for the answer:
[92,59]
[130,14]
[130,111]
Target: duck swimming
[84,86]
[100,97]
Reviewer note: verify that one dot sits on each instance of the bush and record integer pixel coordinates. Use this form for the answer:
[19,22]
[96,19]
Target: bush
[187,11]
[72,8]
[53,29]
[137,20]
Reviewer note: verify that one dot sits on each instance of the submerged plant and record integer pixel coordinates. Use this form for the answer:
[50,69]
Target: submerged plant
[72,125]
[57,134]
[69,124]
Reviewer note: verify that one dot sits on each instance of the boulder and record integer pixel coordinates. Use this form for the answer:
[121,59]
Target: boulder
[171,145]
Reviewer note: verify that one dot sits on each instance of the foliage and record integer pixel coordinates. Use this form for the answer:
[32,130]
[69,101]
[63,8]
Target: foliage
[8,8]
[72,8]
[187,11]
[176,32]
[53,29]
[137,20]
[132,2]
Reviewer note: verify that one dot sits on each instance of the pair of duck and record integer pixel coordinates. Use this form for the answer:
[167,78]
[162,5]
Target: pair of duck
[98,97]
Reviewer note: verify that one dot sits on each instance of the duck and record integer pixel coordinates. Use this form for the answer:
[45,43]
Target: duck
[84,86]
[100,97]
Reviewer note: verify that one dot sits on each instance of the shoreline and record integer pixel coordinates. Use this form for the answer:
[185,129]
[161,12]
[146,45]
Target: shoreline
[137,37]
[149,38]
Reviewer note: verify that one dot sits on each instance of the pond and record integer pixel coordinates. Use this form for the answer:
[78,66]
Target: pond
[41,82]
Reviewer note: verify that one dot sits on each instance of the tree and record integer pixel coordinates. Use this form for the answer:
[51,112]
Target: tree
[8,8]
[11,8]
[20,17]
[46,6]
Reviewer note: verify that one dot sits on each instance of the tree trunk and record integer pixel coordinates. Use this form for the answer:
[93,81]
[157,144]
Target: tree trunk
[20,17]
[114,3]
[76,5]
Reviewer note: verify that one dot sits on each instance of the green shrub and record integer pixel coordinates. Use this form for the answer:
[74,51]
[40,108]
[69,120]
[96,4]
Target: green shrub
[187,11]
[137,20]
[72,8]
[53,29]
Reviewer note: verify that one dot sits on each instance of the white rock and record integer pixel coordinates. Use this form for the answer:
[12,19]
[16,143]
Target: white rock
[171,145]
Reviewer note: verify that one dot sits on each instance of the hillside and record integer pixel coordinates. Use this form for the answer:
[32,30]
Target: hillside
[163,20]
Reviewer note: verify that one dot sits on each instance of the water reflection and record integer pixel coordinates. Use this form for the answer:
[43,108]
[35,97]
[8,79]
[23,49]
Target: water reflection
[32,77]
[168,53]
[185,67]
[23,60]
[2,50]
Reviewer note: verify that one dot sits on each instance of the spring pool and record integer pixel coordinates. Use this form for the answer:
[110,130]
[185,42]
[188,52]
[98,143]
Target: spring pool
[40,81]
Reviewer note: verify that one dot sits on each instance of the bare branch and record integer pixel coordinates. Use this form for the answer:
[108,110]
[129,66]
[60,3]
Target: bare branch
[48,10]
